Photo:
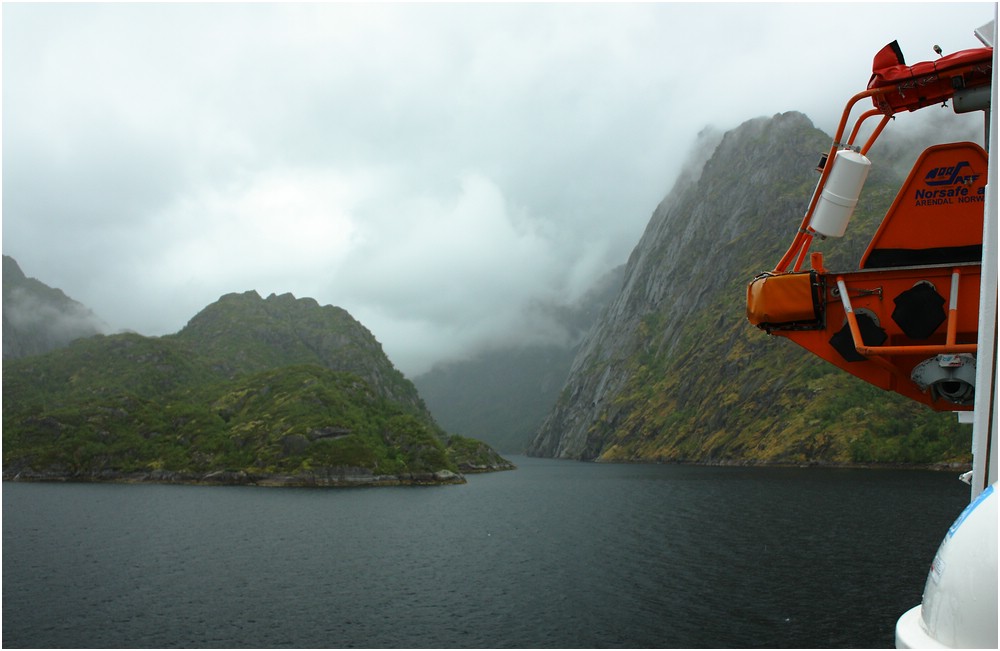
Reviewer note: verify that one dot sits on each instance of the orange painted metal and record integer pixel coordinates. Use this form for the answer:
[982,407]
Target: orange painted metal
[970,67]
[940,205]
[872,292]
[930,237]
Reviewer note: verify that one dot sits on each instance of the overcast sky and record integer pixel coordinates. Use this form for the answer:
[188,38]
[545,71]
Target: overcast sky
[433,169]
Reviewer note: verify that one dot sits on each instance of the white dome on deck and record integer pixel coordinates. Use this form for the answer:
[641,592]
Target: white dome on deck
[959,608]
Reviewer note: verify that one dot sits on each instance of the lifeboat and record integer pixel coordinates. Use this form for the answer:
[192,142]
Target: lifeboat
[907,318]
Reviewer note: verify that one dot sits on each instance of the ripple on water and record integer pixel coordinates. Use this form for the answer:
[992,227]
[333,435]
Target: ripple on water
[554,554]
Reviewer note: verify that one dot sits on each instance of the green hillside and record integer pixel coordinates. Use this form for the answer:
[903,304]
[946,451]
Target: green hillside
[276,390]
[765,400]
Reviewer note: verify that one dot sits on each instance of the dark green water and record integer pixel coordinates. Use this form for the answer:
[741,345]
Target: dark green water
[554,554]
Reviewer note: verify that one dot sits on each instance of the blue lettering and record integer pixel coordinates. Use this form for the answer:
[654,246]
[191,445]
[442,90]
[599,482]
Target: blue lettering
[941,194]
[950,175]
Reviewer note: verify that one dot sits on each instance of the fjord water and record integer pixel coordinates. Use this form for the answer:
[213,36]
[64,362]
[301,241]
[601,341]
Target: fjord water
[554,554]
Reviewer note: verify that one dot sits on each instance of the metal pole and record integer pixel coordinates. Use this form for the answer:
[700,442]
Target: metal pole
[984,423]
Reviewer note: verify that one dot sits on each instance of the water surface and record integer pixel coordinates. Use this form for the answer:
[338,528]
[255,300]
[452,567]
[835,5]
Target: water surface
[554,554]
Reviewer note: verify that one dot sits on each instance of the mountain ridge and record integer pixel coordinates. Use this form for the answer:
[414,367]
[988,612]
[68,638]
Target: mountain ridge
[674,372]
[242,332]
[276,391]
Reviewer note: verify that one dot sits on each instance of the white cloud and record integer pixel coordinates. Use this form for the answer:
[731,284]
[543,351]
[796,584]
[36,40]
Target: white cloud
[431,168]
[467,242]
[280,224]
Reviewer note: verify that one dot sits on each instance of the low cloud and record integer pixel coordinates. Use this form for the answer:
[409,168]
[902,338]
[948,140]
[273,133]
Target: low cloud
[434,169]
[58,323]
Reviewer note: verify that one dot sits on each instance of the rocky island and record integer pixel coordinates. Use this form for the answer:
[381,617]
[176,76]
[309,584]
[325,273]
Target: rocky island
[278,391]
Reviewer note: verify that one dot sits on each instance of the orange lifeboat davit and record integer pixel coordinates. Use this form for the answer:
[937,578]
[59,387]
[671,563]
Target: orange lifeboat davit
[906,319]
[909,88]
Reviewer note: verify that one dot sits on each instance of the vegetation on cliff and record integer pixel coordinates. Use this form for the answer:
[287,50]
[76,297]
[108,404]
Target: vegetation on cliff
[252,390]
[673,371]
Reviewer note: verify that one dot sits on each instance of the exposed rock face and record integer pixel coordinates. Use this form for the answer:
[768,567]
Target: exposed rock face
[38,318]
[244,333]
[680,260]
[673,371]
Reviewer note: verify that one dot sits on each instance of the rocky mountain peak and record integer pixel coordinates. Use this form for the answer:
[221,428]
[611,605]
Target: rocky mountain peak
[243,333]
[672,371]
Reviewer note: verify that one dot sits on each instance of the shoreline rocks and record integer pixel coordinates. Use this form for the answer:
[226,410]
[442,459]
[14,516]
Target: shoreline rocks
[324,478]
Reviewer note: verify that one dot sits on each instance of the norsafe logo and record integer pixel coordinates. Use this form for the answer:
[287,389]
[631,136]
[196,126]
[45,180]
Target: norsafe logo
[951,175]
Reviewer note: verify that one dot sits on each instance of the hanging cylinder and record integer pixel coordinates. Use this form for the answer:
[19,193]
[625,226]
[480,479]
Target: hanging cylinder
[972,99]
[840,194]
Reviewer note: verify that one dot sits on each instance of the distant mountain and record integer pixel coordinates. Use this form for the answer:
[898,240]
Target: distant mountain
[38,318]
[252,390]
[673,370]
[501,396]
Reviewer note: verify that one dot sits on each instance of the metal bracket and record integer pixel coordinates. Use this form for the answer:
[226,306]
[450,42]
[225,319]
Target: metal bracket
[859,293]
[847,145]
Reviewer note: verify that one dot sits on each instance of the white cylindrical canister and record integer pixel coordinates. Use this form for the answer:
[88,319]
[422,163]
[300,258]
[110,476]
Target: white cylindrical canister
[840,195]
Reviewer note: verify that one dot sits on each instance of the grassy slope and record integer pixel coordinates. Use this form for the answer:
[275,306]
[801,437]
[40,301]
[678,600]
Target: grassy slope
[256,404]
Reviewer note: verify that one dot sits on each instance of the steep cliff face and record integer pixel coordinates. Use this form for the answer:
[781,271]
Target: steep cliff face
[673,371]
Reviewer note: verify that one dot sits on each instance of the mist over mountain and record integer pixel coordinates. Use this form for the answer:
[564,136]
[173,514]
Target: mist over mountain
[656,362]
[673,371]
[501,395]
[38,318]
